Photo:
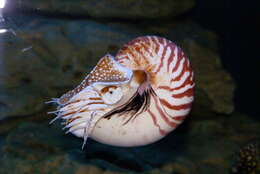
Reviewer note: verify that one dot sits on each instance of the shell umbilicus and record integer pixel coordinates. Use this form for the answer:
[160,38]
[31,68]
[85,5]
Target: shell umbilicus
[132,99]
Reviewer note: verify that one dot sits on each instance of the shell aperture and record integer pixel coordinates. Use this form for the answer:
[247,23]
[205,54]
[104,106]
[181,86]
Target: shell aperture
[134,99]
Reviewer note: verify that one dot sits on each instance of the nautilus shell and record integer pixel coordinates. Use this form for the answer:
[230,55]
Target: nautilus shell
[132,99]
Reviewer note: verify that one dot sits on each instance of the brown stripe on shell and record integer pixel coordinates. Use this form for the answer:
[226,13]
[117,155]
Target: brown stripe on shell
[142,51]
[154,119]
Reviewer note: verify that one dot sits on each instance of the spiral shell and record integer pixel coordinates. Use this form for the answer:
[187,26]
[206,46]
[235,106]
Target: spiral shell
[132,99]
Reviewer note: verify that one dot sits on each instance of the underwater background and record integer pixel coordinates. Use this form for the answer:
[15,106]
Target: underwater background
[48,46]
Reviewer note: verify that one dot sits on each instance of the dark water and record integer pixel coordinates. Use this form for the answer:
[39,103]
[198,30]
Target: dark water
[237,25]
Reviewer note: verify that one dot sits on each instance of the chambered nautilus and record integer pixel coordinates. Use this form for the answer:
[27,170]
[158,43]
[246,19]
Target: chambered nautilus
[132,99]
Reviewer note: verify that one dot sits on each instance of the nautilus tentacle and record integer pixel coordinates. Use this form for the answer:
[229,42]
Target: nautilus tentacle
[134,99]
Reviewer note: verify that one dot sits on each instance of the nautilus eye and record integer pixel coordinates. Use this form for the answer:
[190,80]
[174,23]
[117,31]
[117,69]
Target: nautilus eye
[111,94]
[132,99]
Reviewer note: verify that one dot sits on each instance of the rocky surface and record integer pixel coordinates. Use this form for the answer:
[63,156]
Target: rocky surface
[197,147]
[126,9]
[247,159]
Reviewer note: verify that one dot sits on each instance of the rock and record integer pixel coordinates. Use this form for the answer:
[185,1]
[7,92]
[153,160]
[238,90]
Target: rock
[247,159]
[47,57]
[182,165]
[212,80]
[31,148]
[123,9]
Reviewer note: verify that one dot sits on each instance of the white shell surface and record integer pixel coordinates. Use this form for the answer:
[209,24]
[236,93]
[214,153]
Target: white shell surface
[140,131]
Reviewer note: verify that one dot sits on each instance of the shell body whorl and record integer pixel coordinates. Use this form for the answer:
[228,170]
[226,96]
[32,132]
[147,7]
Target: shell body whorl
[152,95]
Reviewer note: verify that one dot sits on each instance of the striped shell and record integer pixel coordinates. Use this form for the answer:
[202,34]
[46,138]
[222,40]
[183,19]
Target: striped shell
[132,99]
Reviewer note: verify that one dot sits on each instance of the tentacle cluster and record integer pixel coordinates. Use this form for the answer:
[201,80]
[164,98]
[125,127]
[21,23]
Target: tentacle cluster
[137,104]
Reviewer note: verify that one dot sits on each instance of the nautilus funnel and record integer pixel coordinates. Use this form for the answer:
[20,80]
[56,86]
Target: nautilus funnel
[132,99]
